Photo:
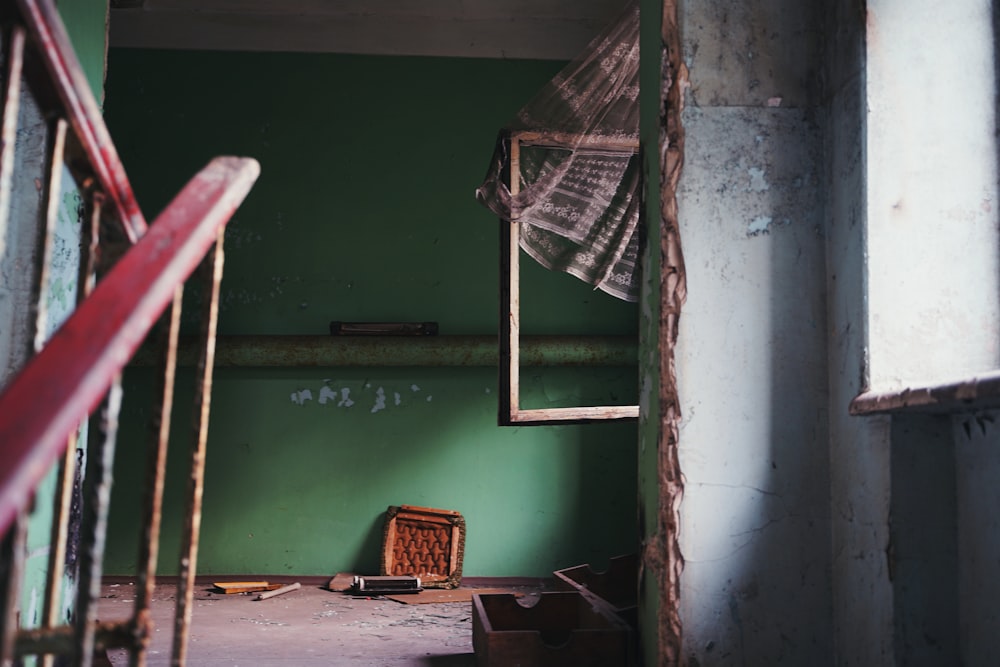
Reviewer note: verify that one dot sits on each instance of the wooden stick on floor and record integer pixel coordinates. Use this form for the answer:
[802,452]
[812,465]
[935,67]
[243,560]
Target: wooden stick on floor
[279,591]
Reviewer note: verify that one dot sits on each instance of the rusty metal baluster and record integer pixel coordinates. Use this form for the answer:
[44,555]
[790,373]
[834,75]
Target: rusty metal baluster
[100,463]
[51,206]
[67,465]
[203,393]
[52,187]
[155,473]
[60,535]
[14,56]
[88,267]
[99,466]
[79,363]
[50,193]
[13,543]
[15,549]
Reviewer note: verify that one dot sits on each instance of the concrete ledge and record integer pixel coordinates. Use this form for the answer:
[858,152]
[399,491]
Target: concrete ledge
[976,393]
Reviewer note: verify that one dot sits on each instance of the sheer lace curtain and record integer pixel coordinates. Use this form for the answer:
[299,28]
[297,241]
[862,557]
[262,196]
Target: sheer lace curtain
[567,167]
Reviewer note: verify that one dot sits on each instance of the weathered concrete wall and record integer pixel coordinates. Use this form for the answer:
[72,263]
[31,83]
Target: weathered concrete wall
[755,526]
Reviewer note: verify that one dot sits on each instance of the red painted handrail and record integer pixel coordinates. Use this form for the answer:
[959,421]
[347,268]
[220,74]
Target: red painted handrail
[54,48]
[64,383]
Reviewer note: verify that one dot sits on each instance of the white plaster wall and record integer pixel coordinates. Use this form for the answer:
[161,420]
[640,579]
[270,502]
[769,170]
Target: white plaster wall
[932,192]
[755,525]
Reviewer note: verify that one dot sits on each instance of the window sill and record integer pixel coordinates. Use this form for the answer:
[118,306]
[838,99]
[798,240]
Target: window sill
[976,393]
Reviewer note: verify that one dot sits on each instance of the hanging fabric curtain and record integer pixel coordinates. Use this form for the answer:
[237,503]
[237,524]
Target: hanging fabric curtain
[567,167]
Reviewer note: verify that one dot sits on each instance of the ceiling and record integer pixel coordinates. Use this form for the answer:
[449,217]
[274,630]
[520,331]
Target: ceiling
[544,29]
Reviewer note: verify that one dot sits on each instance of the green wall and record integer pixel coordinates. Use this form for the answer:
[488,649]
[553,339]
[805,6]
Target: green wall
[86,22]
[365,211]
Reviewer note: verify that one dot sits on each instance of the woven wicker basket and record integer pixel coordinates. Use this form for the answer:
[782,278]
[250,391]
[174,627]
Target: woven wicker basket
[424,542]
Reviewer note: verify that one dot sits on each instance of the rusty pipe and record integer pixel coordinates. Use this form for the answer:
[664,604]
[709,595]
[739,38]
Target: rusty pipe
[473,350]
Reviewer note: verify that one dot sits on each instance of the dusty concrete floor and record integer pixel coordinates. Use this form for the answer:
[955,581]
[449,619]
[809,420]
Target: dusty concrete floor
[307,627]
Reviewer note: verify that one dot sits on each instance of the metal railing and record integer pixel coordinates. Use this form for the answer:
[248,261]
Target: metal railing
[131,276]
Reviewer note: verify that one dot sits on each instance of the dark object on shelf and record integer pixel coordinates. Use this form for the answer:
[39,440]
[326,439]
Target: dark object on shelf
[383,328]
[385,585]
[424,542]
[617,586]
[562,629]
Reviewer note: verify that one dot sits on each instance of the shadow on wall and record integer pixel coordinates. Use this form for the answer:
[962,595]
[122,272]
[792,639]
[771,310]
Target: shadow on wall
[922,554]
[977,465]
[792,555]
[605,520]
[370,550]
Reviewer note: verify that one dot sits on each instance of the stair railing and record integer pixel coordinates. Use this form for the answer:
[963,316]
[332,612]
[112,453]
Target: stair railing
[131,277]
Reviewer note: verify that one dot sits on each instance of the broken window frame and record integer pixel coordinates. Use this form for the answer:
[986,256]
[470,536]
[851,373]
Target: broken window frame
[510,412]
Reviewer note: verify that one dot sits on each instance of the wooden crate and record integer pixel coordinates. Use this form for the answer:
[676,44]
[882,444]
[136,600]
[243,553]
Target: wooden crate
[561,629]
[617,586]
[424,542]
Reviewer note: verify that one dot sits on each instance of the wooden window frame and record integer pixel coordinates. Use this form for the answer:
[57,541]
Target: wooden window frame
[510,412]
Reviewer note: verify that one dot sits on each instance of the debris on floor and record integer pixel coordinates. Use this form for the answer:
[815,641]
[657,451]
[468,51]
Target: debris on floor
[404,585]
[279,591]
[341,582]
[236,587]
[310,628]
